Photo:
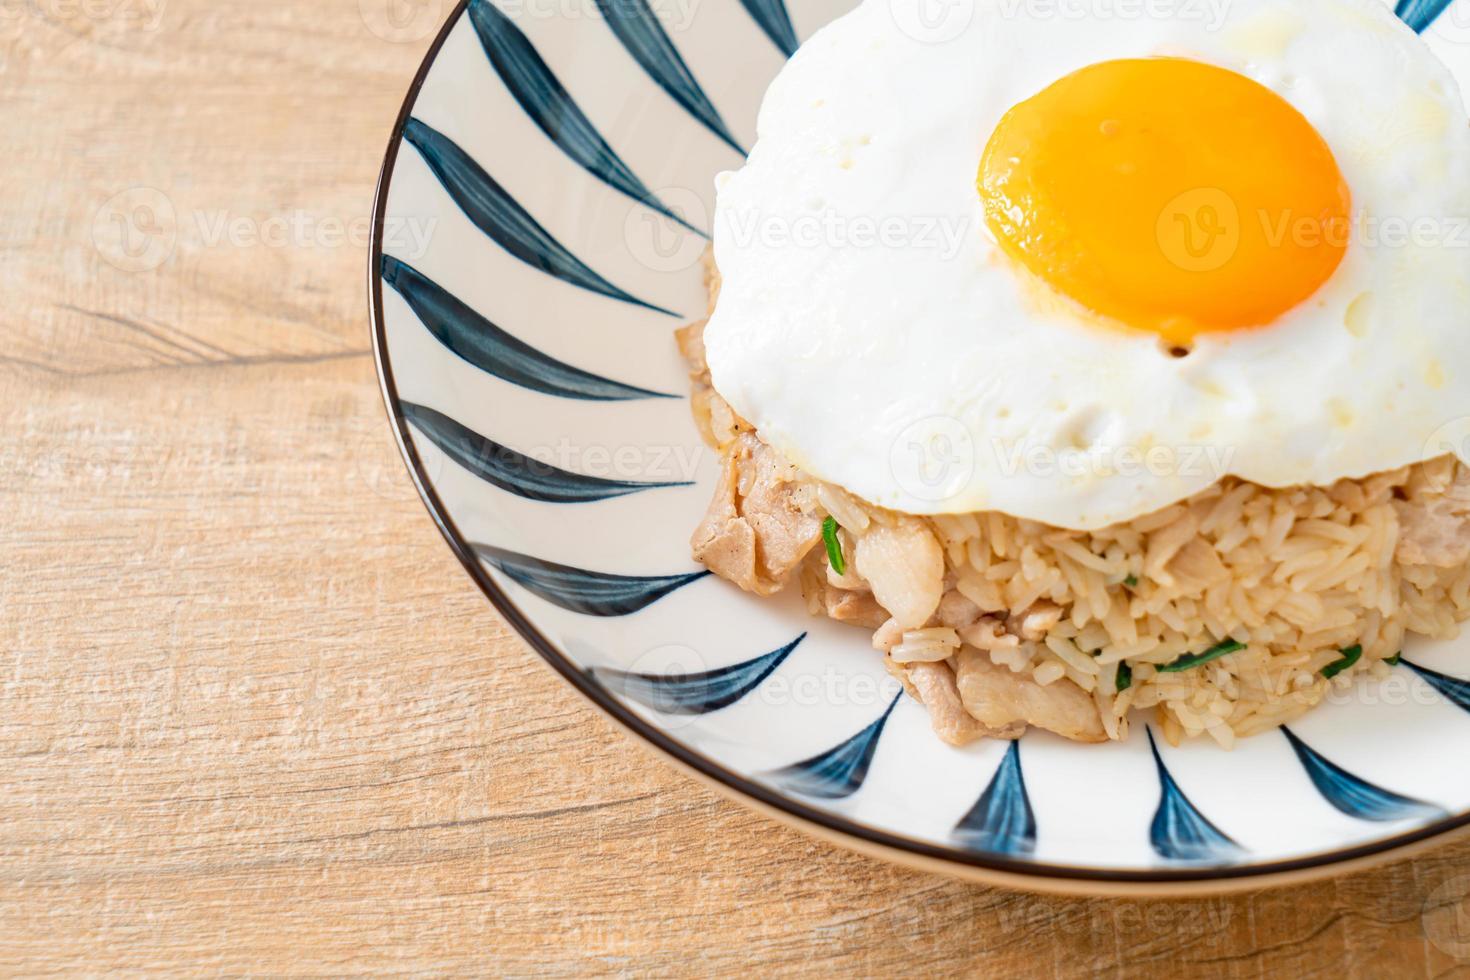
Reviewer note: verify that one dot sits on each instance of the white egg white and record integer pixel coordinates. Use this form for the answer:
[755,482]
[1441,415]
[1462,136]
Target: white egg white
[872,330]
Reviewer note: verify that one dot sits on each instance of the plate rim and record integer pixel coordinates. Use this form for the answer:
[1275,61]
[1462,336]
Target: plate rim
[993,869]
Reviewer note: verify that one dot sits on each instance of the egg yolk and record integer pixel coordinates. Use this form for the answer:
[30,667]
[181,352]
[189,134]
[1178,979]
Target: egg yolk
[1170,195]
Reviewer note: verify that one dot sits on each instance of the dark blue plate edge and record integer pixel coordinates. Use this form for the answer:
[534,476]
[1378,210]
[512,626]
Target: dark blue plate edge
[683,755]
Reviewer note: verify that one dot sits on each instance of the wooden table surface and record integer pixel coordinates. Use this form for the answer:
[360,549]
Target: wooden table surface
[254,718]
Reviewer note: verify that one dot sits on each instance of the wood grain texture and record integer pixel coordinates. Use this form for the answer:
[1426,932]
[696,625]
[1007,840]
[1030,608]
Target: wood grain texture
[253,716]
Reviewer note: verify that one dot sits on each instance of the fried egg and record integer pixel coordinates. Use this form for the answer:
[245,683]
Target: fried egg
[1077,268]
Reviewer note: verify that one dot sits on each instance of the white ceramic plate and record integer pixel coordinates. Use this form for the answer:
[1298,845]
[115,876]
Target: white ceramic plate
[537,235]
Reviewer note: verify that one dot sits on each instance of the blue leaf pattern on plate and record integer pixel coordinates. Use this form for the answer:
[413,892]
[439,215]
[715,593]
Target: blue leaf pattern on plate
[1354,796]
[638,29]
[513,471]
[1179,832]
[481,343]
[1002,820]
[695,694]
[547,102]
[1419,14]
[580,590]
[773,18]
[498,215]
[839,772]
[1456,690]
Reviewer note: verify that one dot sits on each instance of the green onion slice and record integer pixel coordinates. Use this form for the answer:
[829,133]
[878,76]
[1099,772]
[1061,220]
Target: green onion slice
[1192,660]
[1350,656]
[834,547]
[1125,678]
[1131,581]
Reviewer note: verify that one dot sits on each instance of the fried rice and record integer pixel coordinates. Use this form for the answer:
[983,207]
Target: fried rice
[1227,614]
